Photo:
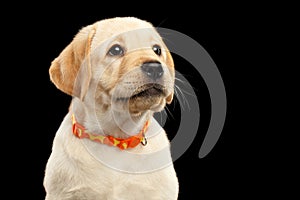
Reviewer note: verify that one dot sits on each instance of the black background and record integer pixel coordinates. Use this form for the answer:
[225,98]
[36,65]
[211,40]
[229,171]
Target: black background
[234,168]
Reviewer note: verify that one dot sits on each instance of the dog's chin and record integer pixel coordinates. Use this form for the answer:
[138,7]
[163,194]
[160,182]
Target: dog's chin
[143,103]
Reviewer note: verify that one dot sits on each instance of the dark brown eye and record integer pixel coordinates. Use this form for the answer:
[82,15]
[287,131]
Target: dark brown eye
[116,50]
[157,49]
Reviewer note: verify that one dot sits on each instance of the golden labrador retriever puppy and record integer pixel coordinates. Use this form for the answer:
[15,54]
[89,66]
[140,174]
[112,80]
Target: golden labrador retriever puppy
[109,146]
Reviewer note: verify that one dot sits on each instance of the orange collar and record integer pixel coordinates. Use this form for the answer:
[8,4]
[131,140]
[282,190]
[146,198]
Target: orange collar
[131,142]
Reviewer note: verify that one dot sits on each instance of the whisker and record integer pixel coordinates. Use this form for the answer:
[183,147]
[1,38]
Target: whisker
[185,84]
[185,100]
[165,113]
[178,79]
[181,94]
[179,97]
[183,91]
[162,22]
[161,118]
[168,41]
[161,114]
[168,113]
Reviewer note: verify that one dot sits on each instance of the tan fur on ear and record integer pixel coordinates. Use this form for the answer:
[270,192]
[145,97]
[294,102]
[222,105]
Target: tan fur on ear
[67,71]
[170,64]
[169,60]
[169,98]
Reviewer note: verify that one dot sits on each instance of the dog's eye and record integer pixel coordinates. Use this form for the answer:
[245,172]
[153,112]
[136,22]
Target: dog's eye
[156,48]
[116,50]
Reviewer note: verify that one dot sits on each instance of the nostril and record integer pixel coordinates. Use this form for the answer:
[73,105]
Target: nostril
[153,70]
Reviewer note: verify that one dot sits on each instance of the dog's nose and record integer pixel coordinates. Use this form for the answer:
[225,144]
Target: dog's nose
[153,70]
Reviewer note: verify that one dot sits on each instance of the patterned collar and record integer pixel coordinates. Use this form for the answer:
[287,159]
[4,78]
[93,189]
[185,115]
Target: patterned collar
[130,142]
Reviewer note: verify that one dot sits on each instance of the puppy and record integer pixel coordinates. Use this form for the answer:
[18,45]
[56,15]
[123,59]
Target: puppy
[118,72]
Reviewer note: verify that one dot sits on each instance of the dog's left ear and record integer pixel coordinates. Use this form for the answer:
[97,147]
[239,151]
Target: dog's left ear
[170,64]
[71,71]
[169,98]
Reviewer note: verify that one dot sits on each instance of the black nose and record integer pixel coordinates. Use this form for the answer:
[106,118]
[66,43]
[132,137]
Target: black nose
[153,70]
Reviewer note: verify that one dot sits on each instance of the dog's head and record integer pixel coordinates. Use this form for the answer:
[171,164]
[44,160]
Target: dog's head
[118,62]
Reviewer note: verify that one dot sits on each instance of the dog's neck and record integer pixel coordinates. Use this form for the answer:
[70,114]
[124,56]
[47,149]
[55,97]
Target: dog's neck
[104,121]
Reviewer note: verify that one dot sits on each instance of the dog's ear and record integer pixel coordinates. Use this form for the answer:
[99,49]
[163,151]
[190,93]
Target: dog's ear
[169,98]
[170,64]
[169,59]
[70,71]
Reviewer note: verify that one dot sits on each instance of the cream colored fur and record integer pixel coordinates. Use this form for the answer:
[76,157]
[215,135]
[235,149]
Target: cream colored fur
[96,80]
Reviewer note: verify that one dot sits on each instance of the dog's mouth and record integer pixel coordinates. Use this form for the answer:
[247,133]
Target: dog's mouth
[146,97]
[145,91]
[148,90]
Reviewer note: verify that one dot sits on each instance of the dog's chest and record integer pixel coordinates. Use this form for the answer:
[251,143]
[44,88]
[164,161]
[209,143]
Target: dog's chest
[110,184]
[115,181]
